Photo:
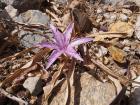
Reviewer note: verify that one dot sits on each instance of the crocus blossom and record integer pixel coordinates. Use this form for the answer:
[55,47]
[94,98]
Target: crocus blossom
[62,44]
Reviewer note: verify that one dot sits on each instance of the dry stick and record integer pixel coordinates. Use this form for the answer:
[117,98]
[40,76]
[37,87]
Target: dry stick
[116,34]
[122,79]
[19,100]
[54,16]
[68,89]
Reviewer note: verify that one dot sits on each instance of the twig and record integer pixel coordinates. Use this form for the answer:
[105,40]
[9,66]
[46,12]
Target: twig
[54,16]
[19,100]
[107,33]
[122,79]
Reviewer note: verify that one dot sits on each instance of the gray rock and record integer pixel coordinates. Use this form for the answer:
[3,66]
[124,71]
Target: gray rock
[33,17]
[123,17]
[110,17]
[102,51]
[137,27]
[61,2]
[34,85]
[28,38]
[86,91]
[11,11]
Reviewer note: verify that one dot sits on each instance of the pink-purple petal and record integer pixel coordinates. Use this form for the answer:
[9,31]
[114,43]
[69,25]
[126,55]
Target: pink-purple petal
[52,58]
[47,45]
[80,41]
[71,52]
[67,33]
[58,36]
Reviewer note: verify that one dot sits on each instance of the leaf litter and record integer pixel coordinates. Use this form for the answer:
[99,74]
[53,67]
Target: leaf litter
[102,22]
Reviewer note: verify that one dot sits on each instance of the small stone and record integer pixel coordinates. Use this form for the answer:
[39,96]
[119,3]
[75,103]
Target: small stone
[127,12]
[11,11]
[113,17]
[99,18]
[34,85]
[99,10]
[126,42]
[127,49]
[137,27]
[106,15]
[123,17]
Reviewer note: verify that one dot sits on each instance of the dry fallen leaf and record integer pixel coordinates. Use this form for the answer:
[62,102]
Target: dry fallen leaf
[122,27]
[117,54]
[49,88]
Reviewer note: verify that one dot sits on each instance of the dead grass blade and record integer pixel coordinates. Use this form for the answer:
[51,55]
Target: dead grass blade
[49,89]
[54,16]
[122,79]
[70,81]
[68,91]
[104,35]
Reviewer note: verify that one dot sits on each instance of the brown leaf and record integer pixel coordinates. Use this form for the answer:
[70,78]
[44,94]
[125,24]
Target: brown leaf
[117,54]
[49,88]
[18,73]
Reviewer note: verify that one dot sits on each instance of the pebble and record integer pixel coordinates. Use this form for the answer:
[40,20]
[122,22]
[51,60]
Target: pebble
[127,49]
[106,15]
[123,17]
[99,10]
[127,12]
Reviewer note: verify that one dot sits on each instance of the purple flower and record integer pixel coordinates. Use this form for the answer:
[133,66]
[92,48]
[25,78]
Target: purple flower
[62,44]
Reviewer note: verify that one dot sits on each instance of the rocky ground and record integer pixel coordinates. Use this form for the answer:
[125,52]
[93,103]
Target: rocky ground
[110,72]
